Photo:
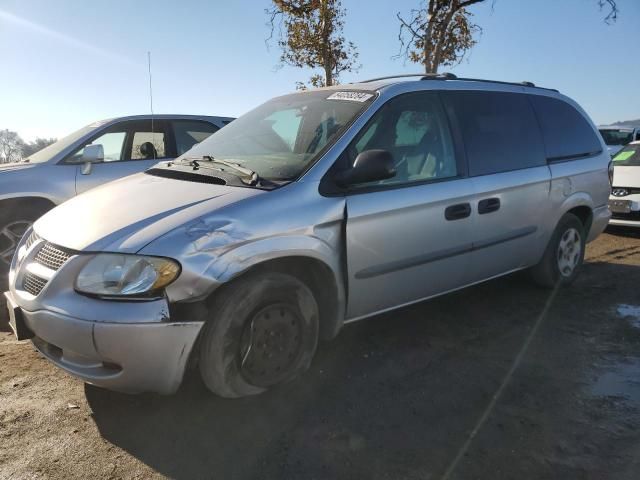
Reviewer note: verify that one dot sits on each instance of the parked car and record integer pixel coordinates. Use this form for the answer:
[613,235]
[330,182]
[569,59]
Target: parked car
[315,209]
[47,178]
[616,137]
[625,193]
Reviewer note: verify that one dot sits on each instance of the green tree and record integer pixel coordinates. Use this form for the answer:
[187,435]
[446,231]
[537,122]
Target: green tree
[440,32]
[311,35]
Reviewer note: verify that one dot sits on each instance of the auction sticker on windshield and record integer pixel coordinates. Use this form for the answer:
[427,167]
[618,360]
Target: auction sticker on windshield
[622,156]
[351,96]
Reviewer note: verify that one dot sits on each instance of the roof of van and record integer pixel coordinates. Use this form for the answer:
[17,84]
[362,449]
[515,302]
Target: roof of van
[381,82]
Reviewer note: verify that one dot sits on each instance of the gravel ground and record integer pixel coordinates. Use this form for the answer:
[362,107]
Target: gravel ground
[500,381]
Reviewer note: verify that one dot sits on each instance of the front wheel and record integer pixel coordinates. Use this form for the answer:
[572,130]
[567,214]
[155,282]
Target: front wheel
[15,220]
[263,332]
[564,254]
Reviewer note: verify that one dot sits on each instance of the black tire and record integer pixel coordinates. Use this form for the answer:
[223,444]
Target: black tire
[550,273]
[15,219]
[263,332]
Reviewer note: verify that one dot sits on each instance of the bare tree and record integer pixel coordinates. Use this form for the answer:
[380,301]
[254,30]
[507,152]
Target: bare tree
[613,10]
[310,35]
[440,32]
[10,146]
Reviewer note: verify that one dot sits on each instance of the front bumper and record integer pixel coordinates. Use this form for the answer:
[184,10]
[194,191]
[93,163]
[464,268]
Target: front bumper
[625,211]
[128,357]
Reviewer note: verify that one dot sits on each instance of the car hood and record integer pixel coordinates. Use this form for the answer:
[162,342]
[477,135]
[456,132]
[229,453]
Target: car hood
[127,214]
[8,167]
[626,176]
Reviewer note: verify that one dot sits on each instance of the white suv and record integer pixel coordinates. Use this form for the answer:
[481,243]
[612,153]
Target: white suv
[625,193]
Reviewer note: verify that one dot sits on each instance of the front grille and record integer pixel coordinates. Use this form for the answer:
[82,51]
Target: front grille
[52,257]
[633,216]
[629,191]
[33,284]
[49,256]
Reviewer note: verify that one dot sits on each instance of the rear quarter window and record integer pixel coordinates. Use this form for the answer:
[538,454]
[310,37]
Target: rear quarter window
[499,129]
[566,133]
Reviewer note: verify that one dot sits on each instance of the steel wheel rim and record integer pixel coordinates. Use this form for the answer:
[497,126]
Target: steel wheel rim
[10,235]
[569,251]
[271,345]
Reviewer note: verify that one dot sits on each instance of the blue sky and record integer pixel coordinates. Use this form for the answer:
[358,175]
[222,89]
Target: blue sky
[66,63]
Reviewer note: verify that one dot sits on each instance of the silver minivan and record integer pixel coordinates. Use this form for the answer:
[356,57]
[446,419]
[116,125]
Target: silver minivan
[315,209]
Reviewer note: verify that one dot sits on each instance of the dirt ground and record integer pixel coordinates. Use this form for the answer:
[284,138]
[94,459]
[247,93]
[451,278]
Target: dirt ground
[500,381]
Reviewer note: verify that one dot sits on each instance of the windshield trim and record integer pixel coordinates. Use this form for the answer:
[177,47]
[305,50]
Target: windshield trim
[68,140]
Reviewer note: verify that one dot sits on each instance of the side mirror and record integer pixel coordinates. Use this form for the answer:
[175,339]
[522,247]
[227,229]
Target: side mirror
[93,154]
[370,166]
[90,155]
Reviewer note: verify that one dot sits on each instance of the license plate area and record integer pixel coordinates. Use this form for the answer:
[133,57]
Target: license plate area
[16,320]
[620,206]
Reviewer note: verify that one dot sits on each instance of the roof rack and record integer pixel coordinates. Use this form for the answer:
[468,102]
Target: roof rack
[424,76]
[451,76]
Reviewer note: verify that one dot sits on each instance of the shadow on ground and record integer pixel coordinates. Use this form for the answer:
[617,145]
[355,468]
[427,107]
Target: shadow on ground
[397,396]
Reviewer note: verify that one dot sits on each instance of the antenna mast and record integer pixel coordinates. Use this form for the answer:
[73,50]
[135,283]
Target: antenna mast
[151,101]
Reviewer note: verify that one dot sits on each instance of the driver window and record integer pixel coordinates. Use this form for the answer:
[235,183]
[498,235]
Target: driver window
[112,144]
[415,130]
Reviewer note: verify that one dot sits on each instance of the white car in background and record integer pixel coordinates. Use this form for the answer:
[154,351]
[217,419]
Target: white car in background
[617,136]
[624,202]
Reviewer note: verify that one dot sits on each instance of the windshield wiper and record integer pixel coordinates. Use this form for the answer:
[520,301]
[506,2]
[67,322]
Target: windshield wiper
[248,176]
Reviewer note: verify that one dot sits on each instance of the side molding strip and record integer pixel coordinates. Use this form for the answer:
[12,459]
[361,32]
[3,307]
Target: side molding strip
[397,265]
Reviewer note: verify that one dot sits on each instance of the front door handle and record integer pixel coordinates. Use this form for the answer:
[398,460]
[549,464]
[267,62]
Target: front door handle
[488,205]
[457,212]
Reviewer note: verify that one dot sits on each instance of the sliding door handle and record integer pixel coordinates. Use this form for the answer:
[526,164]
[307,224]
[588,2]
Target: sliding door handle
[457,212]
[488,205]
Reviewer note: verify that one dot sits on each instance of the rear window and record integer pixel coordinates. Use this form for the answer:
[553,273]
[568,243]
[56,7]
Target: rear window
[612,136]
[500,131]
[628,156]
[566,132]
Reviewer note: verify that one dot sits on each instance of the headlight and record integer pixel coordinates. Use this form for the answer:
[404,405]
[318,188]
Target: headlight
[116,275]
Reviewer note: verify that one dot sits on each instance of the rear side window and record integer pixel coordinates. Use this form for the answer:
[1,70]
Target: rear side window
[500,131]
[566,132]
[148,145]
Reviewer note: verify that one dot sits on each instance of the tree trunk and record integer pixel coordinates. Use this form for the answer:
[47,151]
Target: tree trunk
[428,51]
[441,36]
[325,18]
[328,74]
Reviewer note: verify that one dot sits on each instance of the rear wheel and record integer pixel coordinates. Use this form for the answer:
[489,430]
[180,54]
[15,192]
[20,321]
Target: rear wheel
[564,254]
[264,332]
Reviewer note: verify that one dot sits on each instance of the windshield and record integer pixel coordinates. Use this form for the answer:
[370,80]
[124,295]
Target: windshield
[616,137]
[628,156]
[49,152]
[281,138]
